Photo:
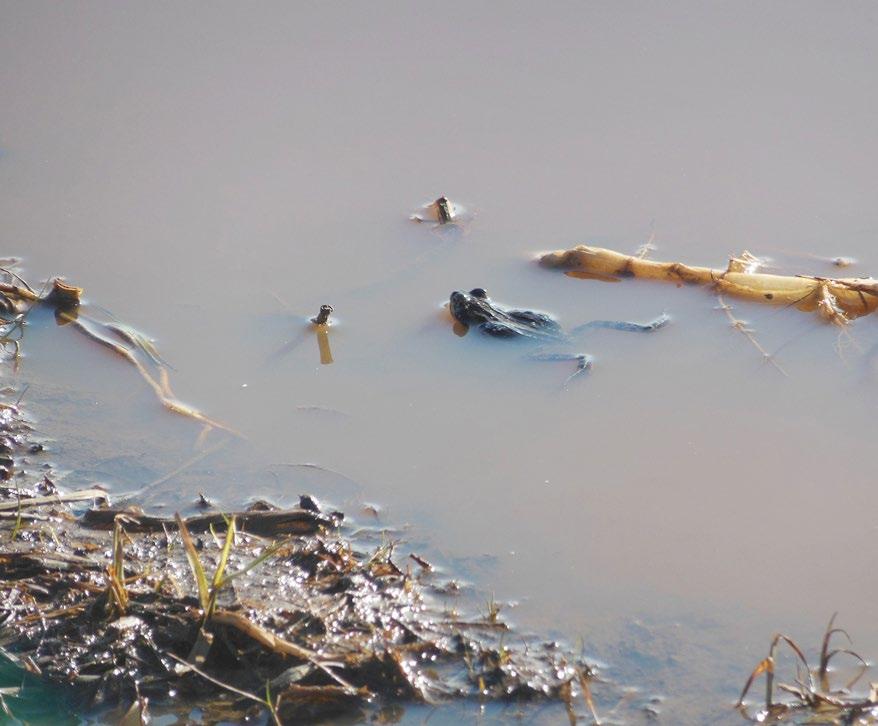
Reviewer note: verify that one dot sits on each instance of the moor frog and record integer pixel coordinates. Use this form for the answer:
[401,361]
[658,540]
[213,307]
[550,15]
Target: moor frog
[474,309]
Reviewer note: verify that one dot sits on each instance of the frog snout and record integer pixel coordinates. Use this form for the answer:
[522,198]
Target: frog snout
[458,299]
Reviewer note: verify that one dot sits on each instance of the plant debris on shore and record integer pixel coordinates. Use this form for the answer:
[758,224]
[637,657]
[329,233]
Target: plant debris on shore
[282,611]
[812,697]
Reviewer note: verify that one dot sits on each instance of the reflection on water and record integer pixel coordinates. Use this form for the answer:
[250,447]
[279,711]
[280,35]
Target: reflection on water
[189,165]
[321,332]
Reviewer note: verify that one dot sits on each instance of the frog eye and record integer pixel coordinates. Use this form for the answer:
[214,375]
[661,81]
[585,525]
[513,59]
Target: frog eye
[479,292]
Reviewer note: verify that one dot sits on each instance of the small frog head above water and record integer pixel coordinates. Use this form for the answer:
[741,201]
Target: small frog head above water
[444,216]
[475,309]
[471,308]
[441,211]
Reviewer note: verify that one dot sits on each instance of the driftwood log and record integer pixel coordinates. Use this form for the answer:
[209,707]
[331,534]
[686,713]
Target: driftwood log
[837,300]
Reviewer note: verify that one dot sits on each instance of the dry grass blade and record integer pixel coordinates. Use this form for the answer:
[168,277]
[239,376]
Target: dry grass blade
[116,348]
[268,552]
[26,294]
[184,409]
[742,328]
[79,496]
[565,693]
[815,702]
[262,636]
[117,595]
[137,340]
[278,645]
[824,651]
[208,591]
[15,276]
[218,579]
[781,638]
[194,564]
[118,553]
[586,695]
[647,247]
[160,391]
[766,665]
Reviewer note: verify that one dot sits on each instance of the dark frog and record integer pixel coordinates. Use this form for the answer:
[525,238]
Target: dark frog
[474,309]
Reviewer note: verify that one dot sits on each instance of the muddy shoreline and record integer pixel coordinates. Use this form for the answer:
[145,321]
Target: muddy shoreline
[314,619]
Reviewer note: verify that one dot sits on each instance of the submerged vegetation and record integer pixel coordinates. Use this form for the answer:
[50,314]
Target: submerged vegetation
[17,298]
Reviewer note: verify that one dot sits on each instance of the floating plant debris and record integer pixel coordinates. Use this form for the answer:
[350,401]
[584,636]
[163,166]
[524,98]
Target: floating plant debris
[836,300]
[17,297]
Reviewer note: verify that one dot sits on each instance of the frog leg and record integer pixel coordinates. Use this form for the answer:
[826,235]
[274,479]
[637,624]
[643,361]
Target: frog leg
[649,327]
[584,362]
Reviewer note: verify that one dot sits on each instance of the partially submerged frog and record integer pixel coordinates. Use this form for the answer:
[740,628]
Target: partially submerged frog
[441,211]
[474,309]
[443,215]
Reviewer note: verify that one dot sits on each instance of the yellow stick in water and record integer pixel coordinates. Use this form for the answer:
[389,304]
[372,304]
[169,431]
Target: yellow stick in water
[835,299]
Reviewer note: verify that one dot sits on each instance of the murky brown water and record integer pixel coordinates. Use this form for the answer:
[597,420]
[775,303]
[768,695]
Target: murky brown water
[191,165]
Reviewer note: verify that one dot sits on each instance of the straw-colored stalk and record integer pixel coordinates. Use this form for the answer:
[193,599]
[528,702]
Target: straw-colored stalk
[837,300]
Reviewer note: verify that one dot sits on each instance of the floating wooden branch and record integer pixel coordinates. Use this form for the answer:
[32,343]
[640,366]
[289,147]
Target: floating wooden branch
[837,300]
